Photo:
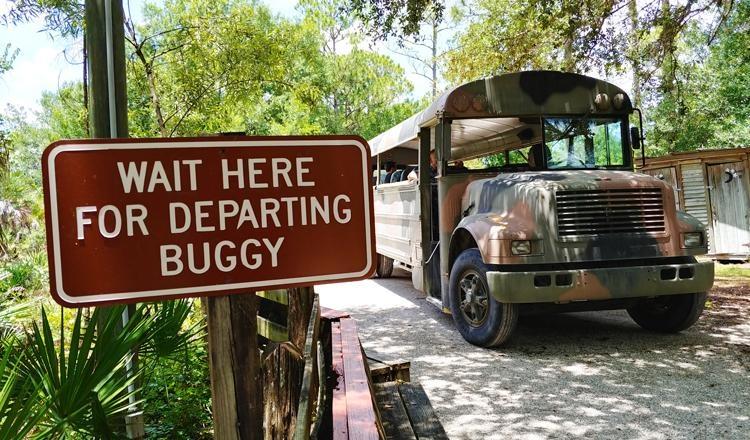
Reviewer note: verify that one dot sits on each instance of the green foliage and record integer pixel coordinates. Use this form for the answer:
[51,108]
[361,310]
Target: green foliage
[18,415]
[507,36]
[206,67]
[64,17]
[6,58]
[733,271]
[176,396]
[709,105]
[84,383]
[71,380]
[173,330]
[386,18]
[23,275]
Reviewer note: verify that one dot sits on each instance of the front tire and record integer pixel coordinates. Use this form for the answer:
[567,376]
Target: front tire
[668,314]
[479,318]
[384,268]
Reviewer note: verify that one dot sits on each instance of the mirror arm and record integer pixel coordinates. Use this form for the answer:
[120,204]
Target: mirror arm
[643,138]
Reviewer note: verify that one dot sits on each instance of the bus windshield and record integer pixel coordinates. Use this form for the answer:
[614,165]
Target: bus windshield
[584,143]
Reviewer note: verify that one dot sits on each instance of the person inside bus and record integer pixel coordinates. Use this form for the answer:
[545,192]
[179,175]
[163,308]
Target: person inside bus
[433,165]
[414,174]
[459,166]
[390,167]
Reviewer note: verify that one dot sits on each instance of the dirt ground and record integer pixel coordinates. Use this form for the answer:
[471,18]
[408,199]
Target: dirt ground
[582,375]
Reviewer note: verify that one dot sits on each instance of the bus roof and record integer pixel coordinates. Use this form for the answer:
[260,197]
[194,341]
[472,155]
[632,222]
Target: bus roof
[491,112]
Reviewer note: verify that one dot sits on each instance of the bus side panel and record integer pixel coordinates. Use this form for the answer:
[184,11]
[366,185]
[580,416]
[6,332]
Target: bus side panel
[397,225]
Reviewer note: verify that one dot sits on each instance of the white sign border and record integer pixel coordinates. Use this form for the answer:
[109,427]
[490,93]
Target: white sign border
[146,294]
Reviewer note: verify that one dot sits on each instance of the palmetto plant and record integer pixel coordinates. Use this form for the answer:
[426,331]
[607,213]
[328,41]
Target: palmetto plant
[18,413]
[84,384]
[80,384]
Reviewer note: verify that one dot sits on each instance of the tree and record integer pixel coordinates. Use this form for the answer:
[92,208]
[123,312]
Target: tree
[505,35]
[359,90]
[7,58]
[388,18]
[63,17]
[707,103]
[426,50]
[204,63]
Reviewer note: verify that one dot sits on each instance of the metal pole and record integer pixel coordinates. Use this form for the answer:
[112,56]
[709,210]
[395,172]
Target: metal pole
[108,113]
[112,100]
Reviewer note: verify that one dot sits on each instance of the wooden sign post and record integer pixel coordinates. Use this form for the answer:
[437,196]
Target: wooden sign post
[234,359]
[133,220]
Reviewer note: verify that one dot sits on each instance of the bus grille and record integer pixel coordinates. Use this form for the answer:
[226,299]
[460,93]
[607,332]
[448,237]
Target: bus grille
[610,211]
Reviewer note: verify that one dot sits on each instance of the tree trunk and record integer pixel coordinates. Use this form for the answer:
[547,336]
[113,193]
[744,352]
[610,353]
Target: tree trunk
[569,64]
[635,63]
[434,57]
[148,67]
[155,100]
[667,40]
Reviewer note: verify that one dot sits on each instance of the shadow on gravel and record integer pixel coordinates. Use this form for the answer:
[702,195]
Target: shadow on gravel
[592,374]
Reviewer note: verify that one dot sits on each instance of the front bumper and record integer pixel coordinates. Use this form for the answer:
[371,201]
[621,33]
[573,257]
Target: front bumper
[562,286]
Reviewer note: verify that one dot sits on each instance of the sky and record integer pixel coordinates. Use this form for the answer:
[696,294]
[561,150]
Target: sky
[40,65]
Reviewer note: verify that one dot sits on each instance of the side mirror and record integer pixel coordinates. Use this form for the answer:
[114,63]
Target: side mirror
[635,138]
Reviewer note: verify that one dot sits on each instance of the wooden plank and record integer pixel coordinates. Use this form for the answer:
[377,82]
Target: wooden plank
[234,361]
[220,353]
[309,378]
[271,393]
[340,430]
[282,370]
[291,370]
[387,372]
[730,204]
[273,311]
[360,411]
[246,366]
[424,421]
[279,296]
[300,305]
[272,331]
[322,400]
[393,415]
[331,314]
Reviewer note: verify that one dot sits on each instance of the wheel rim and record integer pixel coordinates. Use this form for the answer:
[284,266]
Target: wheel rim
[474,299]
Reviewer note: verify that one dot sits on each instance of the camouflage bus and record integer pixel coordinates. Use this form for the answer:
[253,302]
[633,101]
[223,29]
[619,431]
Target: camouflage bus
[555,221]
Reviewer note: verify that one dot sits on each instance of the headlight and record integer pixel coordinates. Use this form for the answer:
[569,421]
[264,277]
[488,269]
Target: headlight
[520,247]
[692,239]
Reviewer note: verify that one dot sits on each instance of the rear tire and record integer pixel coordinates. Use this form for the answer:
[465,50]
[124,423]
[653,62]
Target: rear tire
[668,314]
[479,318]
[385,266]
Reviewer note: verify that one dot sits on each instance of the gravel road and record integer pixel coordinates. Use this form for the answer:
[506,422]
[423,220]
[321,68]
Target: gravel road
[580,375]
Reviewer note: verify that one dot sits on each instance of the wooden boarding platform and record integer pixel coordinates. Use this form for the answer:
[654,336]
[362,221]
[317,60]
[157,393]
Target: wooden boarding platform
[388,371]
[406,412]
[370,399]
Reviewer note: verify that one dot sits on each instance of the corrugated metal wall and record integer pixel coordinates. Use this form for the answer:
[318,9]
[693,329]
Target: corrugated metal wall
[695,195]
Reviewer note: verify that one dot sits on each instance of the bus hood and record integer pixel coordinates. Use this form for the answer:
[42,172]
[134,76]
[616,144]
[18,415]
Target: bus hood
[524,206]
[534,192]
[572,180]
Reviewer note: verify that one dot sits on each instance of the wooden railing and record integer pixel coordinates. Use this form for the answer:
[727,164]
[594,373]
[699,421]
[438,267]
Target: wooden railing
[318,383]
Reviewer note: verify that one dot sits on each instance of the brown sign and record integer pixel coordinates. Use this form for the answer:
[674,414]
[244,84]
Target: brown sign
[148,219]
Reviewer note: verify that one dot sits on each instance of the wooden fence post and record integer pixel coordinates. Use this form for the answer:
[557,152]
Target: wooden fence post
[300,305]
[234,359]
